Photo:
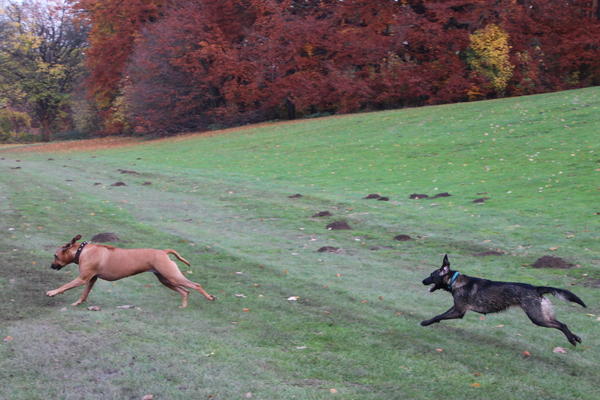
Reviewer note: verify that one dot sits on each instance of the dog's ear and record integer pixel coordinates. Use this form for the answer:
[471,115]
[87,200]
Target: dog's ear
[76,238]
[446,263]
[445,268]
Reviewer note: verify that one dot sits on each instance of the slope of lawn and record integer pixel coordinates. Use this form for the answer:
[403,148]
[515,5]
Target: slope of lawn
[291,322]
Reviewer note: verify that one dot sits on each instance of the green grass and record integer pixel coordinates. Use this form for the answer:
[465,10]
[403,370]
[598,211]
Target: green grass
[222,202]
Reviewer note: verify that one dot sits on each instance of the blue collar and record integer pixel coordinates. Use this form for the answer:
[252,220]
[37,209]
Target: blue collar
[453,279]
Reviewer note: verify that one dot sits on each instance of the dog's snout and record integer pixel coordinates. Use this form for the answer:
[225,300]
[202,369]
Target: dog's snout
[427,281]
[55,266]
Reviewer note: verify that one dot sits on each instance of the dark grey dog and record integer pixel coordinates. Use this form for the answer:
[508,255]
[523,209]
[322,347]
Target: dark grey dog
[485,296]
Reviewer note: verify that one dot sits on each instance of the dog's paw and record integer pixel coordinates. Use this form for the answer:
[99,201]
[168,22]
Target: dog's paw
[51,293]
[425,323]
[211,297]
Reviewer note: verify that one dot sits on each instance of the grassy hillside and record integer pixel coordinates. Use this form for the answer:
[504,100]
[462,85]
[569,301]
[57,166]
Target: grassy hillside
[223,202]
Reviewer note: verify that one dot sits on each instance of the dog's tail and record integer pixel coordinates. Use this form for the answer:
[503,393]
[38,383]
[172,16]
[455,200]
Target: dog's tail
[561,293]
[176,254]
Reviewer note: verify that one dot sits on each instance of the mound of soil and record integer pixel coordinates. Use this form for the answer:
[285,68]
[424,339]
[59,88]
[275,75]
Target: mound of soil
[322,214]
[375,248]
[593,283]
[128,171]
[403,238]
[338,225]
[119,184]
[418,196]
[105,237]
[488,253]
[443,194]
[551,262]
[329,249]
[481,200]
[372,196]
[295,196]
[382,198]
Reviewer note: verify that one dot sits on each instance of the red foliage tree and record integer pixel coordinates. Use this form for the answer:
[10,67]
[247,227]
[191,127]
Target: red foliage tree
[115,25]
[202,63]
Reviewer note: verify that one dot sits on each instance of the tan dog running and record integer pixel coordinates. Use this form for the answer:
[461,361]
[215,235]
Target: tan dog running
[112,263]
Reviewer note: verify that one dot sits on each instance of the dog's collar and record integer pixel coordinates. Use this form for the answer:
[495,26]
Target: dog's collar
[79,250]
[453,279]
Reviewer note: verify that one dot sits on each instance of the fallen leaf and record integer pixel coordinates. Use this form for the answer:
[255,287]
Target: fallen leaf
[338,275]
[148,397]
[439,350]
[94,308]
[481,317]
[476,373]
[8,339]
[333,391]
[300,347]
[380,297]
[293,298]
[245,309]
[240,295]
[248,395]
[552,248]
[560,350]
[364,301]
[126,306]
[475,385]
[526,354]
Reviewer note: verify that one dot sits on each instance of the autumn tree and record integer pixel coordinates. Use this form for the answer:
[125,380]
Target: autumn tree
[40,58]
[114,27]
[166,66]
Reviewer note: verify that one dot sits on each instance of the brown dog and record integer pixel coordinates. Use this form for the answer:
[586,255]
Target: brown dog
[112,263]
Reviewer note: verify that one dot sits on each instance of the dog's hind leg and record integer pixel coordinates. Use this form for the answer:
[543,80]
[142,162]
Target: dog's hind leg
[196,286]
[540,313]
[88,288]
[184,293]
[169,270]
[452,313]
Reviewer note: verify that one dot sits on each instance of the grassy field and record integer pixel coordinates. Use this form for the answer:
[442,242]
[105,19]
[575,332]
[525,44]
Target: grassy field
[353,333]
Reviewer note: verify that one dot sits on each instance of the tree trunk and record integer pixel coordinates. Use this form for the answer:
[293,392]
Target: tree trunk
[46,133]
[291,109]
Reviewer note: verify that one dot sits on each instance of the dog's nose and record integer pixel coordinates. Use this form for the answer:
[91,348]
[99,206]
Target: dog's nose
[426,281]
[55,266]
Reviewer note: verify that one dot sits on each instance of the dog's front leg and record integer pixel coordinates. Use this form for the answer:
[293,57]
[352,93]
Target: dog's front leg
[452,313]
[74,283]
[86,291]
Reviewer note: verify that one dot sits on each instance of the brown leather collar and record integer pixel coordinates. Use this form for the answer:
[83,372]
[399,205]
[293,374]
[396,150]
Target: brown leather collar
[79,250]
